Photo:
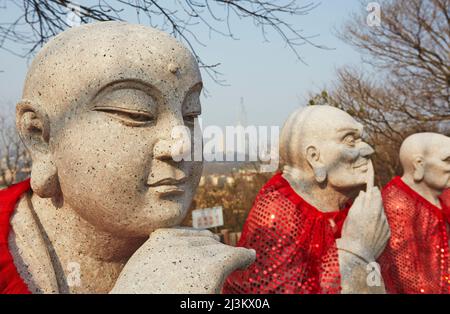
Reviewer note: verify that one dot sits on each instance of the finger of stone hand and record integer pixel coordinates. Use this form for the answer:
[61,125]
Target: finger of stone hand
[382,245]
[239,258]
[227,257]
[356,208]
[377,206]
[195,241]
[384,235]
[184,232]
[374,206]
[380,221]
[353,214]
[376,198]
[370,177]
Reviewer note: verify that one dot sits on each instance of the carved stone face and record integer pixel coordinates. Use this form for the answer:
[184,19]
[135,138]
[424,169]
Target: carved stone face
[436,166]
[112,92]
[425,158]
[343,153]
[326,142]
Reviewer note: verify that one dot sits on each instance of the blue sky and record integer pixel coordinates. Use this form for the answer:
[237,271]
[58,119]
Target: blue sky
[267,75]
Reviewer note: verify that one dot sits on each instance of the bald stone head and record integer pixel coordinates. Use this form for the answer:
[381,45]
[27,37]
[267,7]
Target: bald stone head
[425,158]
[97,112]
[326,142]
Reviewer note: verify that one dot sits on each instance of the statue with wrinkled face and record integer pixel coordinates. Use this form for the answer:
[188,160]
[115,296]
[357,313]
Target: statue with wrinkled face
[328,164]
[98,107]
[324,242]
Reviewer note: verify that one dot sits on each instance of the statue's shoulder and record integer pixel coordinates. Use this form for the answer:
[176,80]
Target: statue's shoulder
[28,249]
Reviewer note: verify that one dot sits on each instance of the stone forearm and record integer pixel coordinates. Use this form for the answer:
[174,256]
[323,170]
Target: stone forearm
[354,275]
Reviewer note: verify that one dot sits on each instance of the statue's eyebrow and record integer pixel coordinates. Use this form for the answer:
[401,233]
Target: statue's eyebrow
[349,130]
[345,131]
[147,88]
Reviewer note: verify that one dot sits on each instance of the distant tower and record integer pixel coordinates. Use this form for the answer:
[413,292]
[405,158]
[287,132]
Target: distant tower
[242,114]
[242,151]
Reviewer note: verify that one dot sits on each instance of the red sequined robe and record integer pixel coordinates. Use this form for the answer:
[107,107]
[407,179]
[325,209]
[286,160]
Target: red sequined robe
[445,199]
[416,259]
[294,242]
[10,280]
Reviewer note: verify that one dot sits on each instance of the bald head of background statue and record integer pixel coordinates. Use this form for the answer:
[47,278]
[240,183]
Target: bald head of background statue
[323,149]
[99,105]
[425,159]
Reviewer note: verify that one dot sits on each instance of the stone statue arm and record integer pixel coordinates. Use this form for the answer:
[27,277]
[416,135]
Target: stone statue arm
[365,234]
[359,276]
[181,260]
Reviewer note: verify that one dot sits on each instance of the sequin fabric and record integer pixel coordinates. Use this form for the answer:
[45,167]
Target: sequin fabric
[445,199]
[416,259]
[294,242]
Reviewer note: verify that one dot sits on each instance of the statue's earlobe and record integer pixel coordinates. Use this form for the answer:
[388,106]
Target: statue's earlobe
[419,171]
[34,130]
[320,173]
[44,178]
[313,157]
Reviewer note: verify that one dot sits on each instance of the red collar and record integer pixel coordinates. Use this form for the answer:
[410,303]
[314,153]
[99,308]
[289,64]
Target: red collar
[10,280]
[283,186]
[400,184]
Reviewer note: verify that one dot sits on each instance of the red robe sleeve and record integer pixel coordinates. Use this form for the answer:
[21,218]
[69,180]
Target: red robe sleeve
[294,242]
[10,280]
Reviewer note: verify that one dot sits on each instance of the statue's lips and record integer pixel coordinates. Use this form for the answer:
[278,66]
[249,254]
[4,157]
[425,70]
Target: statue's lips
[362,165]
[168,186]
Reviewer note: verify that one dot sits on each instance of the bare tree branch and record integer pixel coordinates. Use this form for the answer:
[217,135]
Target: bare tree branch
[406,88]
[15,161]
[41,20]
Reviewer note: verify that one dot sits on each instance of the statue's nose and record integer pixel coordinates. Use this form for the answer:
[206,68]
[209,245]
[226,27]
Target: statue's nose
[163,150]
[366,150]
[171,150]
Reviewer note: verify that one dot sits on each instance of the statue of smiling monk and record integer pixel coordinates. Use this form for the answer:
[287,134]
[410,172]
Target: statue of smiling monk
[99,215]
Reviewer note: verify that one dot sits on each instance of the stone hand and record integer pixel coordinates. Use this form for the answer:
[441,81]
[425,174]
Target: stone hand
[181,260]
[366,231]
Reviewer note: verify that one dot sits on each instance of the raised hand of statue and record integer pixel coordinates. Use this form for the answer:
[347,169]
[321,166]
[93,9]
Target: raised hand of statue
[181,260]
[366,231]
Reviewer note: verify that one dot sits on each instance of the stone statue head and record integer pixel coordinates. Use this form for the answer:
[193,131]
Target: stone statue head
[324,144]
[97,111]
[425,158]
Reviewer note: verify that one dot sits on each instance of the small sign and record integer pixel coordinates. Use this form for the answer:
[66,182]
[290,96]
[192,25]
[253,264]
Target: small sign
[207,218]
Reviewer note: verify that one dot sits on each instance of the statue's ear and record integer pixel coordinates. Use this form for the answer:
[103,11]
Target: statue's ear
[33,126]
[419,169]
[313,158]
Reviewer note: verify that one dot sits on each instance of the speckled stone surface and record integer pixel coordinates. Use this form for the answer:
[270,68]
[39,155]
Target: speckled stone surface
[98,108]
[192,261]
[328,164]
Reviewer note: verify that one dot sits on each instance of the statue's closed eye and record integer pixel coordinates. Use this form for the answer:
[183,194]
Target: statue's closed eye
[350,139]
[131,106]
[127,116]
[189,119]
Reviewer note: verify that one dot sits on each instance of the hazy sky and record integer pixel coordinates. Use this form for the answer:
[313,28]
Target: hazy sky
[267,75]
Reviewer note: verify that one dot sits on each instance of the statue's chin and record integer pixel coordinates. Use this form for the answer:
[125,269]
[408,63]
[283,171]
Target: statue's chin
[351,189]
